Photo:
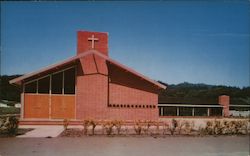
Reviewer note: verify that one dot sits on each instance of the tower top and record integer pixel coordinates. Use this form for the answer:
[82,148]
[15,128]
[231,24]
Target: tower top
[87,40]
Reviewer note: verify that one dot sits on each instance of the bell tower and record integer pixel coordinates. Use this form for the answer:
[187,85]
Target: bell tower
[87,40]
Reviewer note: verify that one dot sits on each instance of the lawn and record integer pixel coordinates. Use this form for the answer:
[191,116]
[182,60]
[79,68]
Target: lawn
[9,110]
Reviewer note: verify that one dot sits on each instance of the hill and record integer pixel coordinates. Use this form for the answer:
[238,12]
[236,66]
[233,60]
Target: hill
[180,93]
[203,93]
[7,91]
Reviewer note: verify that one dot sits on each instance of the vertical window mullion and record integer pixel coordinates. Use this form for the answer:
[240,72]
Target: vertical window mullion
[63,83]
[36,86]
[50,83]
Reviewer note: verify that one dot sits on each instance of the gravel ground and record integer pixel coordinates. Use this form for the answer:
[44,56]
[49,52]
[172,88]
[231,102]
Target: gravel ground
[123,146]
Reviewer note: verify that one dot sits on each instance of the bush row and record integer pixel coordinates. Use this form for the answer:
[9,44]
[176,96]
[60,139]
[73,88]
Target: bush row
[9,125]
[173,127]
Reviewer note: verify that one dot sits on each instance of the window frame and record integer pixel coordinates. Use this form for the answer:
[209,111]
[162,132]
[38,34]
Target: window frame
[50,82]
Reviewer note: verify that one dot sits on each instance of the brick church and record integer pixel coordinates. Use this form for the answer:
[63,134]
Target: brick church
[89,85]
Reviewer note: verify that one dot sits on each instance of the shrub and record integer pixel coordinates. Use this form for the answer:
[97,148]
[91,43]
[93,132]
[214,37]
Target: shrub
[146,126]
[157,126]
[226,127]
[173,126]
[217,128]
[108,126]
[241,127]
[2,127]
[93,124]
[65,124]
[202,131]
[209,128]
[12,125]
[138,127]
[166,127]
[187,127]
[85,126]
[118,126]
[180,126]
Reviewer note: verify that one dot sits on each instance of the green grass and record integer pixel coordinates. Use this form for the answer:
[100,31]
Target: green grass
[9,110]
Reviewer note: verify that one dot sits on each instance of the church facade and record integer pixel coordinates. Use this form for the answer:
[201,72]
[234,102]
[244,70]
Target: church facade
[89,85]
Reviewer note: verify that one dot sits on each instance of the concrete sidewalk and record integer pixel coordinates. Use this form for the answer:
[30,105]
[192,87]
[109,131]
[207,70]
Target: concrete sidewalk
[41,131]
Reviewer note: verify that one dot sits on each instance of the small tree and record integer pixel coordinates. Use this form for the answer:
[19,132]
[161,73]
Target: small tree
[180,126]
[217,127]
[85,126]
[65,124]
[108,126]
[93,124]
[166,127]
[157,126]
[118,126]
[209,129]
[173,126]
[147,126]
[189,127]
[12,126]
[138,127]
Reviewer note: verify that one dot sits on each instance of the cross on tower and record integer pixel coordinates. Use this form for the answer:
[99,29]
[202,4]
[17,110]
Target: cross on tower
[93,39]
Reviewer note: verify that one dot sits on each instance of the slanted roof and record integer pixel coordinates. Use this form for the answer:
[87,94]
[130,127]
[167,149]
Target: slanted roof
[19,80]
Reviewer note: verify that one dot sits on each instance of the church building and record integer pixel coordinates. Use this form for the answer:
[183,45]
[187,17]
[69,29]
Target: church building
[89,85]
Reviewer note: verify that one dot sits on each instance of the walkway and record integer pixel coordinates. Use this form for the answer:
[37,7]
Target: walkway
[41,131]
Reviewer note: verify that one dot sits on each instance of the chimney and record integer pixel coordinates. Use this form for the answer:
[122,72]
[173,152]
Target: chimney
[87,40]
[224,100]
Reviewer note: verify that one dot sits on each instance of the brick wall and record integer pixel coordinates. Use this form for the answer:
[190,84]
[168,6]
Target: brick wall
[83,44]
[99,87]
[224,100]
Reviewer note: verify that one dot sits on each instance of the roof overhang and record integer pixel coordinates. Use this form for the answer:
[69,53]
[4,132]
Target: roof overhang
[19,80]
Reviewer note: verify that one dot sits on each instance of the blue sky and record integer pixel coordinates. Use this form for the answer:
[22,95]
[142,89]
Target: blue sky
[197,42]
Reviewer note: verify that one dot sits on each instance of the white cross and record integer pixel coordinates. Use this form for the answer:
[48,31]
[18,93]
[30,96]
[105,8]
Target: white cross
[93,39]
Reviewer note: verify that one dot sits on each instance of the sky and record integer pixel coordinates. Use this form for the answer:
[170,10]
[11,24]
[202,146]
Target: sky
[174,42]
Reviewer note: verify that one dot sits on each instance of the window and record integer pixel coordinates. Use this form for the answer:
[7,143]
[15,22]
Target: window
[200,111]
[186,111]
[69,81]
[215,111]
[61,83]
[31,87]
[43,85]
[169,111]
[57,83]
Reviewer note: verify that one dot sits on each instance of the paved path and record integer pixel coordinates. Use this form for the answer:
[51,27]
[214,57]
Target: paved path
[124,146]
[41,131]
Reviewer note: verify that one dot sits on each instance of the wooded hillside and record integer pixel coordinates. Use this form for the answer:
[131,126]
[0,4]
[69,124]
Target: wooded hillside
[203,94]
[180,93]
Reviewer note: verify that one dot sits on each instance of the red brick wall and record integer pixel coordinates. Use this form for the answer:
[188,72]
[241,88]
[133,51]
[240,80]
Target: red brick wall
[95,92]
[125,95]
[224,100]
[91,101]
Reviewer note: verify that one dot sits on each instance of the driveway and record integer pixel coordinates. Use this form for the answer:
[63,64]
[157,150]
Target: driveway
[124,146]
